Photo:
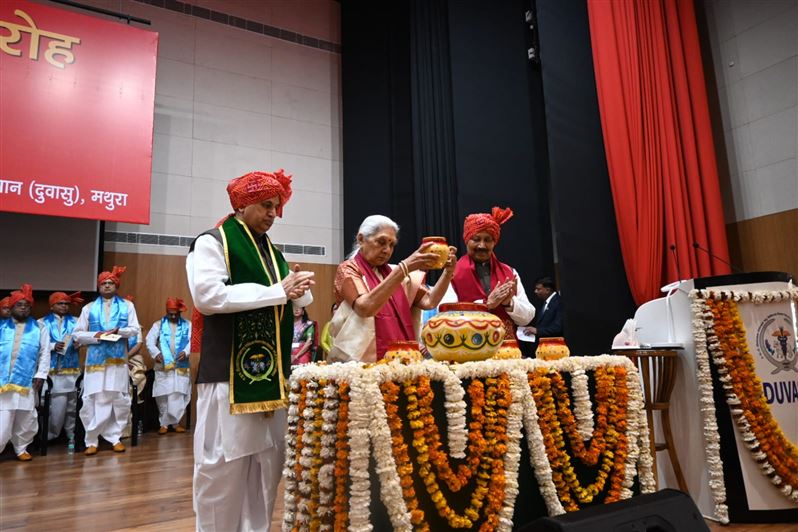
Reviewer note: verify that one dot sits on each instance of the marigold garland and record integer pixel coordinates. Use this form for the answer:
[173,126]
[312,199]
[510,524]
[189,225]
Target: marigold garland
[776,456]
[335,427]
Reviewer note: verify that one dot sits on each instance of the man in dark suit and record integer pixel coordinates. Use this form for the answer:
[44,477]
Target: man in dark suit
[549,320]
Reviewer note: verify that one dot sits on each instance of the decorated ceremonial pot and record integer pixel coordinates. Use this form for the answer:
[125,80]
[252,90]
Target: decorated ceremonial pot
[405,351]
[552,348]
[508,350]
[463,332]
[439,247]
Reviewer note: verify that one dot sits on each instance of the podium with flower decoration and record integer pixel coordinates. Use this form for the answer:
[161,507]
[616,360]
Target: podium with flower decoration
[432,445]
[735,393]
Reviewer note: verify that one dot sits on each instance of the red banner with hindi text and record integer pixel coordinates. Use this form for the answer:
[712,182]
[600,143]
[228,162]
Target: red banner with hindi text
[77,96]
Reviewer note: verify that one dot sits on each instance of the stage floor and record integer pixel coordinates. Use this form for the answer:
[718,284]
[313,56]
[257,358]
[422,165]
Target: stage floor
[146,488]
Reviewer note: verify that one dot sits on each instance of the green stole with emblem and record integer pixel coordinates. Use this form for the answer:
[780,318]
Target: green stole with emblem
[261,351]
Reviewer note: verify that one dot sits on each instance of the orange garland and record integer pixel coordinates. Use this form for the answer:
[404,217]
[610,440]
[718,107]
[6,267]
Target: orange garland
[300,431]
[552,415]
[780,453]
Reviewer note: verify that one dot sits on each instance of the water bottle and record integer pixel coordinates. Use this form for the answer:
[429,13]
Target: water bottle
[71,445]
[140,427]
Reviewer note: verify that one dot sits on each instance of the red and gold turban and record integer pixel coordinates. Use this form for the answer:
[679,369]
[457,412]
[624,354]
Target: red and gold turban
[5,302]
[255,187]
[24,293]
[114,275]
[175,303]
[58,297]
[487,223]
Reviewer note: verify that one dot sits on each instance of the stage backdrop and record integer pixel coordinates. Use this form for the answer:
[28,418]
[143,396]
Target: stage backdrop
[76,114]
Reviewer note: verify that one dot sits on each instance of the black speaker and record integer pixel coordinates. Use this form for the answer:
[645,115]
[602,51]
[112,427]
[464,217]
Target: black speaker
[664,511]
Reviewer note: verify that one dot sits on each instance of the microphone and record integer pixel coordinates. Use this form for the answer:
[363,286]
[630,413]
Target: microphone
[727,263]
[672,247]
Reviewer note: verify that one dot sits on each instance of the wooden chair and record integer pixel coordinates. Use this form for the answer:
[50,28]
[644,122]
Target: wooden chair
[657,368]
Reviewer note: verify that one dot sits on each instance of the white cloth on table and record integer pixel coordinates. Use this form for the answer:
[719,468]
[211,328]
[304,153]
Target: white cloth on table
[248,447]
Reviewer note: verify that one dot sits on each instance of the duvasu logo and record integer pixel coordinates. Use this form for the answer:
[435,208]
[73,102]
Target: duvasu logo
[775,342]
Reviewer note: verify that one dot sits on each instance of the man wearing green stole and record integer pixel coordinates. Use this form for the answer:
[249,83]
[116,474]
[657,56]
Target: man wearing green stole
[24,364]
[243,291]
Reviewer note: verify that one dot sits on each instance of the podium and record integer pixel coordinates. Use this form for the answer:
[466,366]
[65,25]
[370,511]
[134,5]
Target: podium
[667,323]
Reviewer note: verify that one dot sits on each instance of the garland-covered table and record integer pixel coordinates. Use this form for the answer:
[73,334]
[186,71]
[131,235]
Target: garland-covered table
[432,445]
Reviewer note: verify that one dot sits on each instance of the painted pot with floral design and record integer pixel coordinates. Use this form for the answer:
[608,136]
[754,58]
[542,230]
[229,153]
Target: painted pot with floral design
[463,332]
[405,351]
[552,348]
[440,248]
[508,350]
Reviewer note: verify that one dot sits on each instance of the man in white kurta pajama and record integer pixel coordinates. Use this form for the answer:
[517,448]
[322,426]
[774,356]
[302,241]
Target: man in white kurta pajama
[168,343]
[105,325]
[238,457]
[64,364]
[24,363]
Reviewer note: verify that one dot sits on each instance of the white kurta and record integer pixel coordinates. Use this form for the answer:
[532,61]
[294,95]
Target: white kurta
[106,395]
[18,421]
[171,389]
[238,459]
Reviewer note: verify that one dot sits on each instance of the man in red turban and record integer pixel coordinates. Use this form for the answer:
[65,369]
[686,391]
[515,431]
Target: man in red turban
[64,363]
[243,291]
[168,342]
[480,277]
[105,325]
[24,363]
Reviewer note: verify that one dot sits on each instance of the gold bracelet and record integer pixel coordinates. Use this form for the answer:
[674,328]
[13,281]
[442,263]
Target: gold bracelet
[404,268]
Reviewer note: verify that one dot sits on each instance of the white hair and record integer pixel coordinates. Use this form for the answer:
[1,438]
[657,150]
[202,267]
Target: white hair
[370,226]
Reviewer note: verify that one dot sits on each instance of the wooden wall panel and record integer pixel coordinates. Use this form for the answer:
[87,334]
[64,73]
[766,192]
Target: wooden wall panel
[153,278]
[767,243]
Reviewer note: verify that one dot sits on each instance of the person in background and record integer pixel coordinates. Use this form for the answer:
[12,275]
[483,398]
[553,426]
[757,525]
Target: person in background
[64,364]
[303,345]
[24,364]
[549,322]
[105,326]
[5,308]
[168,343]
[325,341]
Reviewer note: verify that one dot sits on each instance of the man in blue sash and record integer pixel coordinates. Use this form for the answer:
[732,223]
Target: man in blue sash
[64,363]
[24,363]
[244,290]
[105,325]
[168,342]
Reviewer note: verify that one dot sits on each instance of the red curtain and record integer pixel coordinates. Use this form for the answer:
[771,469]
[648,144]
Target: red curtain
[658,140]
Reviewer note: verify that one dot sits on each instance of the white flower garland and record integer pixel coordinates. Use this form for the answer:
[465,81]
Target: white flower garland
[701,316]
[289,511]
[368,430]
[582,406]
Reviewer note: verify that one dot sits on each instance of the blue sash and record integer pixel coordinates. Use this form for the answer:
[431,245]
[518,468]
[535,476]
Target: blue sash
[106,353]
[20,377]
[70,365]
[181,343]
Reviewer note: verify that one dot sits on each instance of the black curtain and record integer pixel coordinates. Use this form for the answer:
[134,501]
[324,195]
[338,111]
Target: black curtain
[434,177]
[592,278]
[442,118]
